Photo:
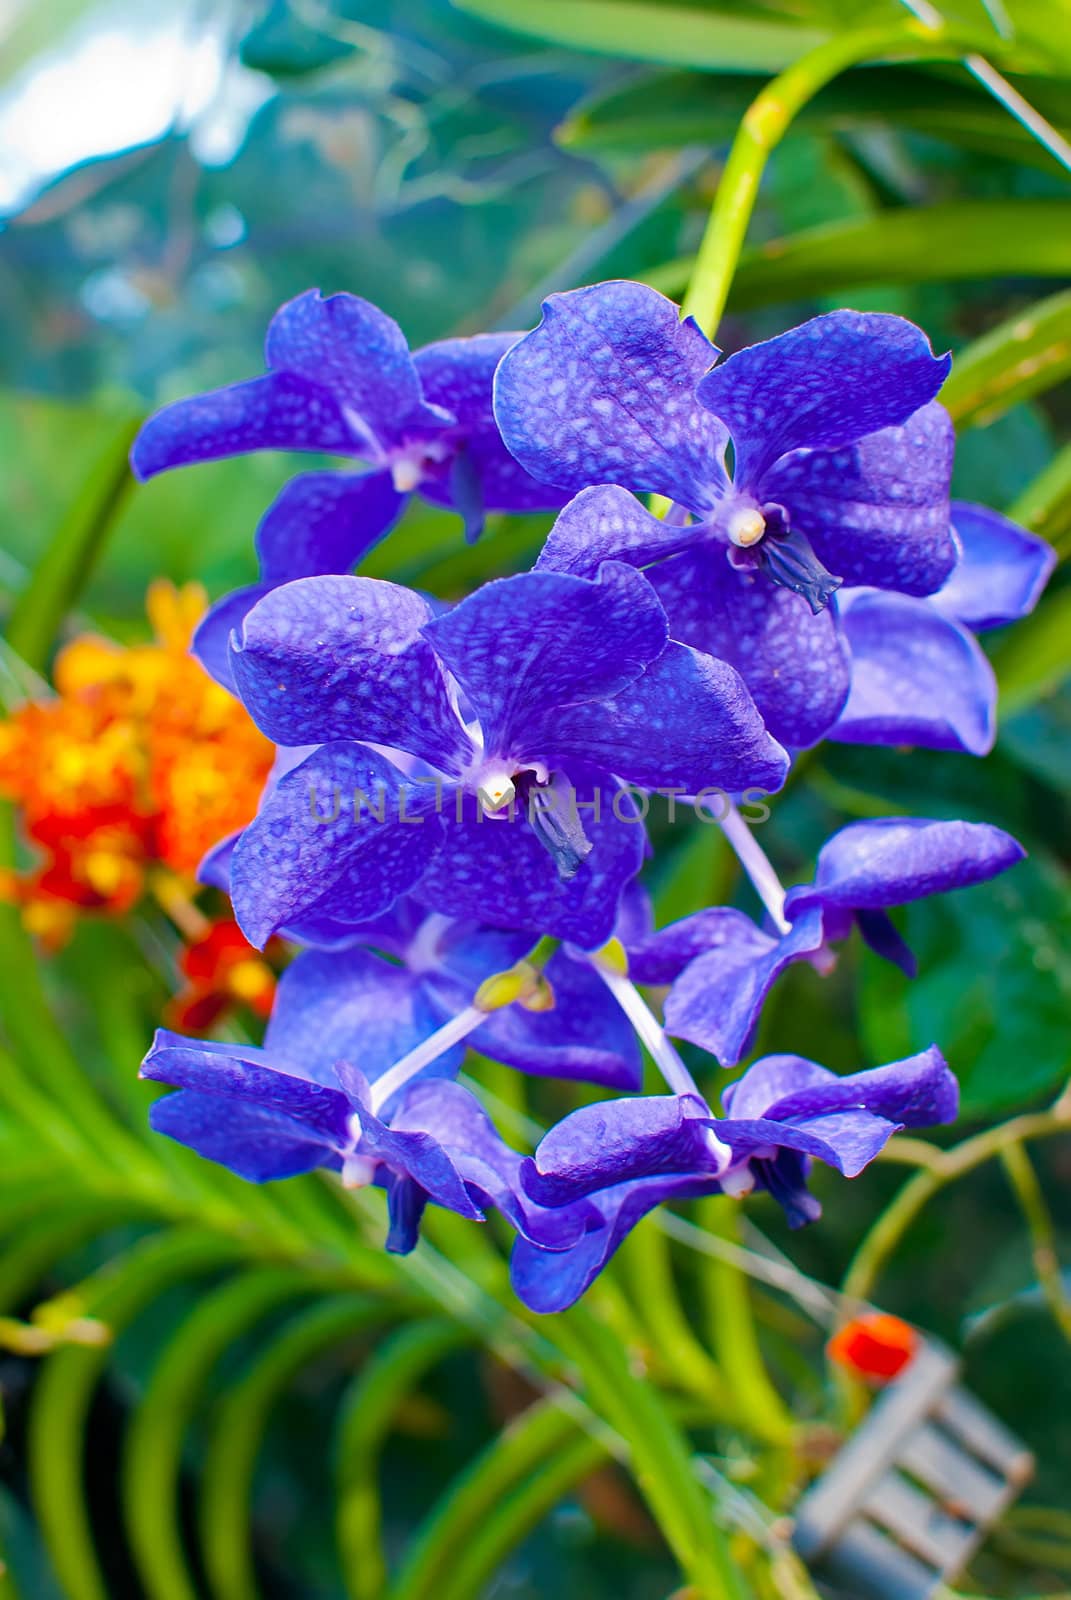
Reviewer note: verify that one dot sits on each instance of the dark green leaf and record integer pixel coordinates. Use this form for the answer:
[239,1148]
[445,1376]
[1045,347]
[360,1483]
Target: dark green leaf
[993,989]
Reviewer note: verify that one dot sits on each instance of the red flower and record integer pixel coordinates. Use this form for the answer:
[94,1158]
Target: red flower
[222,971]
[876,1345]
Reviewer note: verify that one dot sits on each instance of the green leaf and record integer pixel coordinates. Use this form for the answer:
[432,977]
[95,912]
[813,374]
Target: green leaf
[474,1496]
[1024,356]
[673,110]
[227,1480]
[64,1392]
[517,1514]
[365,1418]
[675,34]
[925,244]
[1045,506]
[152,1451]
[1034,658]
[661,1455]
[60,575]
[993,989]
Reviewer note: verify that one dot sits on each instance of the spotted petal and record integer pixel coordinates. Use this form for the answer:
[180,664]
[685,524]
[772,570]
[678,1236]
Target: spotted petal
[325,522]
[355,1006]
[340,657]
[877,511]
[603,392]
[891,861]
[458,374]
[282,411]
[495,869]
[717,1001]
[606,523]
[794,664]
[917,678]
[317,845]
[821,386]
[688,724]
[523,648]
[552,1280]
[360,356]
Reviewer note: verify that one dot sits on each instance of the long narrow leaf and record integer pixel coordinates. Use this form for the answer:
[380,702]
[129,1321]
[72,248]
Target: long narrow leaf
[227,1480]
[963,239]
[365,1418]
[152,1452]
[65,1389]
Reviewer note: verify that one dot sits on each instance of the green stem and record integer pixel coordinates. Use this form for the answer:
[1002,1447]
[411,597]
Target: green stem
[646,1258]
[765,123]
[944,1167]
[761,1409]
[60,575]
[660,1454]
[1027,1190]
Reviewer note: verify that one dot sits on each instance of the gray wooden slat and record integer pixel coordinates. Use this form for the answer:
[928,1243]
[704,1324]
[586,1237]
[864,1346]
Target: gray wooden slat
[962,1414]
[919,1523]
[866,1563]
[957,1478]
[831,1502]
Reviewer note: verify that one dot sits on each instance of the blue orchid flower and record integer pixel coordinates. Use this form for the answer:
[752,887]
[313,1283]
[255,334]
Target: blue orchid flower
[840,475]
[261,1113]
[341,380]
[726,966]
[628,1156]
[531,702]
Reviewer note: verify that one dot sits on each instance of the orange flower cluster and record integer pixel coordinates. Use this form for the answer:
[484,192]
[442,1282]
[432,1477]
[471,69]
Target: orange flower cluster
[138,766]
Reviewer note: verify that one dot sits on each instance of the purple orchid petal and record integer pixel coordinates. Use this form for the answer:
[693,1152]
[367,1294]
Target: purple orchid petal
[212,638]
[458,374]
[355,1006]
[522,648]
[496,870]
[662,956]
[246,1073]
[915,1092]
[586,1036]
[917,678]
[412,1152]
[877,511]
[552,1280]
[846,1140]
[606,523]
[360,356]
[338,657]
[891,861]
[490,1170]
[281,411]
[821,386]
[325,522]
[255,1142]
[1000,574]
[603,392]
[717,1000]
[688,723]
[619,1141]
[794,664]
[879,933]
[317,847]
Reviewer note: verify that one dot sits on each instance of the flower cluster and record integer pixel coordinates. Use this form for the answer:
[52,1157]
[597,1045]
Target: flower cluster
[122,781]
[453,829]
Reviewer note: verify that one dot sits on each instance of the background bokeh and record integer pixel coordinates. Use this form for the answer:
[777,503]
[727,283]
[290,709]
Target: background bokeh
[168,175]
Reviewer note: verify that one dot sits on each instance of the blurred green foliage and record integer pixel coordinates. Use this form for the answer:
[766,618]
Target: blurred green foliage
[284,1411]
